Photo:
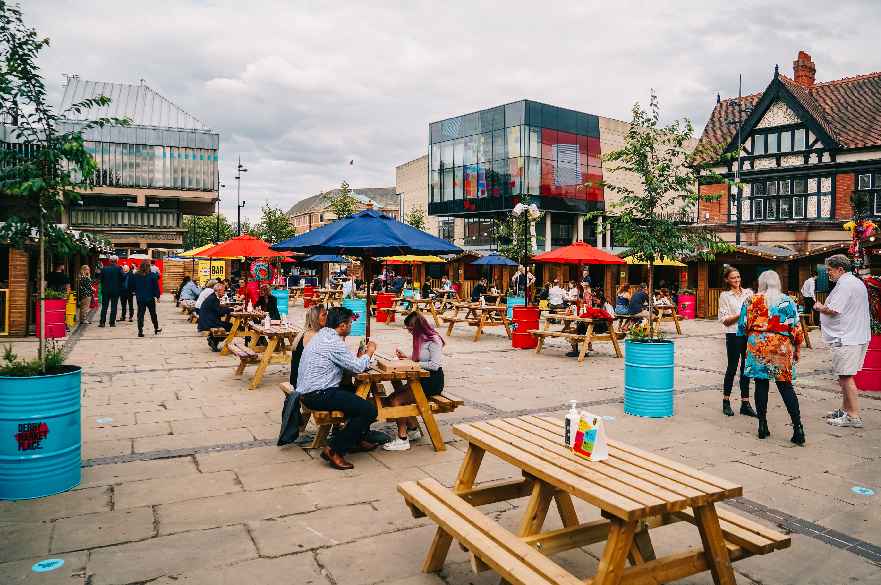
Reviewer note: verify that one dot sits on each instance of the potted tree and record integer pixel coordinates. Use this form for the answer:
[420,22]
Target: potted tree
[41,172]
[652,221]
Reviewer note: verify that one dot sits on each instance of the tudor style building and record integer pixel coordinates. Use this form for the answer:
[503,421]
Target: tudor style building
[806,146]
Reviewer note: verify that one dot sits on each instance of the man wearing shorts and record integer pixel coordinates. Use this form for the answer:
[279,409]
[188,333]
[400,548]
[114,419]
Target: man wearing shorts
[844,320]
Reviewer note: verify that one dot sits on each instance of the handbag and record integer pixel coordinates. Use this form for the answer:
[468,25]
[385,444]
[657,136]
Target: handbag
[290,420]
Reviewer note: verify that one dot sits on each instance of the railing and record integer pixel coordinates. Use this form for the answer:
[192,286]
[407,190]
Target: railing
[713,302]
[125,217]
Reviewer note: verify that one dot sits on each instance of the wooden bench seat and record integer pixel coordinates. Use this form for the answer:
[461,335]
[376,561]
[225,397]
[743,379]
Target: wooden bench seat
[214,332]
[488,542]
[245,354]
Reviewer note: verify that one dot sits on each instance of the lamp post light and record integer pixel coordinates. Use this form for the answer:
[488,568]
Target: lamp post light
[741,110]
[217,229]
[239,204]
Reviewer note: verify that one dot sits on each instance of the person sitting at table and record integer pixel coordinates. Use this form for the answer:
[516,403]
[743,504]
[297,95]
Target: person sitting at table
[543,293]
[479,290]
[206,292]
[572,295]
[428,353]
[211,313]
[322,365]
[556,296]
[398,285]
[426,292]
[622,300]
[267,303]
[662,299]
[188,291]
[602,322]
[638,302]
[446,284]
[313,321]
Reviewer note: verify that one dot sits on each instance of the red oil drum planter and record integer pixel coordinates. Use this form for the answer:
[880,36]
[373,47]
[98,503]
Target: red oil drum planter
[55,314]
[869,378]
[525,319]
[308,293]
[687,304]
[384,301]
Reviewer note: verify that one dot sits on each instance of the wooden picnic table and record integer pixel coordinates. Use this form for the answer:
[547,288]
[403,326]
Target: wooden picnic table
[479,316]
[803,319]
[240,321]
[586,339]
[635,491]
[279,335]
[446,298]
[415,305]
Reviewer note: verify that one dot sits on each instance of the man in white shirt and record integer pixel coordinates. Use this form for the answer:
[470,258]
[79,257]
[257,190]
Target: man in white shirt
[844,320]
[206,292]
[808,292]
[556,294]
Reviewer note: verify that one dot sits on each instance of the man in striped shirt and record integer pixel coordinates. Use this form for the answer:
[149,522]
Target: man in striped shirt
[321,370]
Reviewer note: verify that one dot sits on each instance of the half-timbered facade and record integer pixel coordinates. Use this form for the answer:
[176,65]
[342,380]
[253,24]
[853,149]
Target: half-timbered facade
[806,146]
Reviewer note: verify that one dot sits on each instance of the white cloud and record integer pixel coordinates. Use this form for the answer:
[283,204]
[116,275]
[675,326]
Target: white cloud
[299,89]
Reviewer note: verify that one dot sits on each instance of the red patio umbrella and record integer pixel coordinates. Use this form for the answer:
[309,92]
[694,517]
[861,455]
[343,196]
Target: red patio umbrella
[245,245]
[578,253]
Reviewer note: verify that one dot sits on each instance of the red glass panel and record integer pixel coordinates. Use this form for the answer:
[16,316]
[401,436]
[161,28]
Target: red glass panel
[548,140]
[594,152]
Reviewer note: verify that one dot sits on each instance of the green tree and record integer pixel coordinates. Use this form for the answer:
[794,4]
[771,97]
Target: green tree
[274,225]
[514,234]
[203,229]
[649,220]
[416,218]
[48,165]
[343,204]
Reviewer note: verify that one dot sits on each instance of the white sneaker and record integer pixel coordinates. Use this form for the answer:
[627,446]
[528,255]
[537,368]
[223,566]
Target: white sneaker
[846,421]
[415,434]
[398,444]
[837,413]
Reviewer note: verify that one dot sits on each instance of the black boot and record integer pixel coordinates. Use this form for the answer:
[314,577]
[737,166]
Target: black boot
[747,409]
[726,407]
[763,428]
[798,434]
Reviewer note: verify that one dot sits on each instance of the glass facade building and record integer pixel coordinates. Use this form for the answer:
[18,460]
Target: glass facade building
[487,161]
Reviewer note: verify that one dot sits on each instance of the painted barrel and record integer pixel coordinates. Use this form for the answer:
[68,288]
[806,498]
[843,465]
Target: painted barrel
[308,293]
[40,439]
[70,311]
[525,319]
[523,340]
[514,302]
[648,378]
[869,378]
[281,297]
[56,313]
[384,301]
[687,306]
[359,323]
[531,314]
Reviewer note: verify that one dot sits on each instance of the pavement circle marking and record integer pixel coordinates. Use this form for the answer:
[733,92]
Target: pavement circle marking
[47,565]
[862,491]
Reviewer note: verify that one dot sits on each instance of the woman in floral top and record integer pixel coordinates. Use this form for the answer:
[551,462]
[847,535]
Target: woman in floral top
[84,293]
[774,336]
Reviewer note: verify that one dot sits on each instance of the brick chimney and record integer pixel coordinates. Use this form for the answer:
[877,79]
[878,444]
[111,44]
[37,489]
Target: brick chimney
[804,70]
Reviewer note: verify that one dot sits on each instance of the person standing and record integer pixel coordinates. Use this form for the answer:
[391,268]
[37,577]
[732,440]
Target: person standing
[809,295]
[730,303]
[84,293]
[146,286]
[127,293]
[111,288]
[770,320]
[845,324]
[57,280]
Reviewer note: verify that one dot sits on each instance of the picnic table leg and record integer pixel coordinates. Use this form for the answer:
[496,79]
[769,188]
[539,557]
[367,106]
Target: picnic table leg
[230,336]
[427,417]
[676,320]
[541,340]
[507,325]
[618,545]
[434,314]
[614,336]
[440,545]
[536,509]
[479,327]
[642,550]
[804,327]
[586,343]
[714,544]
[264,361]
[566,509]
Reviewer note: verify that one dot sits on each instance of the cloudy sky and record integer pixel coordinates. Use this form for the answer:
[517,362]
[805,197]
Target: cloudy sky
[299,89]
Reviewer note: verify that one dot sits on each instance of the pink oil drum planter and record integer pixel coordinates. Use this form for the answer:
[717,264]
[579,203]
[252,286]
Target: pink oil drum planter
[55,315]
[686,307]
[869,378]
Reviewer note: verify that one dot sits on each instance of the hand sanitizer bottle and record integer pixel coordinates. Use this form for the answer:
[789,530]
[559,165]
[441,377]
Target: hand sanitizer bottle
[571,423]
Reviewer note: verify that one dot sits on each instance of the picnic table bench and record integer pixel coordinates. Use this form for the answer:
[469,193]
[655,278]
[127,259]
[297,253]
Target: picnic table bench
[240,321]
[415,305]
[278,335]
[478,316]
[636,492]
[370,384]
[666,314]
[586,339]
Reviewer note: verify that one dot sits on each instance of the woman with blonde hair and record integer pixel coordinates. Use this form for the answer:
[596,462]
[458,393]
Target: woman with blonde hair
[84,293]
[316,317]
[774,336]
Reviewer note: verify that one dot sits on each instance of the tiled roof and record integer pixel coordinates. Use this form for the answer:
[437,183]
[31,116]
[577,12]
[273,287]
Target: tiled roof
[848,109]
[142,105]
[383,197]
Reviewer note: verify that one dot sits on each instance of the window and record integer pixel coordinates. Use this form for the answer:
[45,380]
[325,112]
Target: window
[864,181]
[773,143]
[784,187]
[772,188]
[785,207]
[799,143]
[759,144]
[772,209]
[798,207]
[446,228]
[786,141]
[758,208]
[478,231]
[800,186]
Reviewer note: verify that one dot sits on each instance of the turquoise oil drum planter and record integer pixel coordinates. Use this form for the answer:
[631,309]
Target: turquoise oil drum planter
[648,378]
[512,302]
[40,436]
[281,296]
[359,307]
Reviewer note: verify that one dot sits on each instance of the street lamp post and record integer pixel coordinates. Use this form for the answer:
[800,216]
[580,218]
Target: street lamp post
[741,110]
[217,229]
[239,204]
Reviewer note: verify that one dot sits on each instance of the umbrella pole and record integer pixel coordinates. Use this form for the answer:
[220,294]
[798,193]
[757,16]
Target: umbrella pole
[366,264]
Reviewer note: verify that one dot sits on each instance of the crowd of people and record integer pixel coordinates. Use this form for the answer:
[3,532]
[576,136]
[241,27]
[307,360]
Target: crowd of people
[763,338]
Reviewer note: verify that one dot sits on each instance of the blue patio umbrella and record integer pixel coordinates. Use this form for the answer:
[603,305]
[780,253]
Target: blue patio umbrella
[368,234]
[328,259]
[494,259]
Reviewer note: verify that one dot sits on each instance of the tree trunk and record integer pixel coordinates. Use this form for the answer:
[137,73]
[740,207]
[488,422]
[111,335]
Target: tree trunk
[651,300]
[41,274]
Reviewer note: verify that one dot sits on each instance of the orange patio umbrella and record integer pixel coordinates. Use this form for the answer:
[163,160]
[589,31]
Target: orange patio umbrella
[578,253]
[244,245]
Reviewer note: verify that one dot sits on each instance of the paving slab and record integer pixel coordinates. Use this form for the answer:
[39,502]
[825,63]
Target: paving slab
[190,440]
[126,432]
[73,503]
[150,492]
[108,474]
[72,572]
[102,529]
[263,477]
[245,458]
[101,449]
[300,569]
[23,540]
[169,555]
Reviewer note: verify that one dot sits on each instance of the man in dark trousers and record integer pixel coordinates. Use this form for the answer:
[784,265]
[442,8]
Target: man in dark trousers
[211,313]
[111,288]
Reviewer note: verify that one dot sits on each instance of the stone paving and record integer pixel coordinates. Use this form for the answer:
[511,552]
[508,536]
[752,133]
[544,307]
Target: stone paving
[183,484]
